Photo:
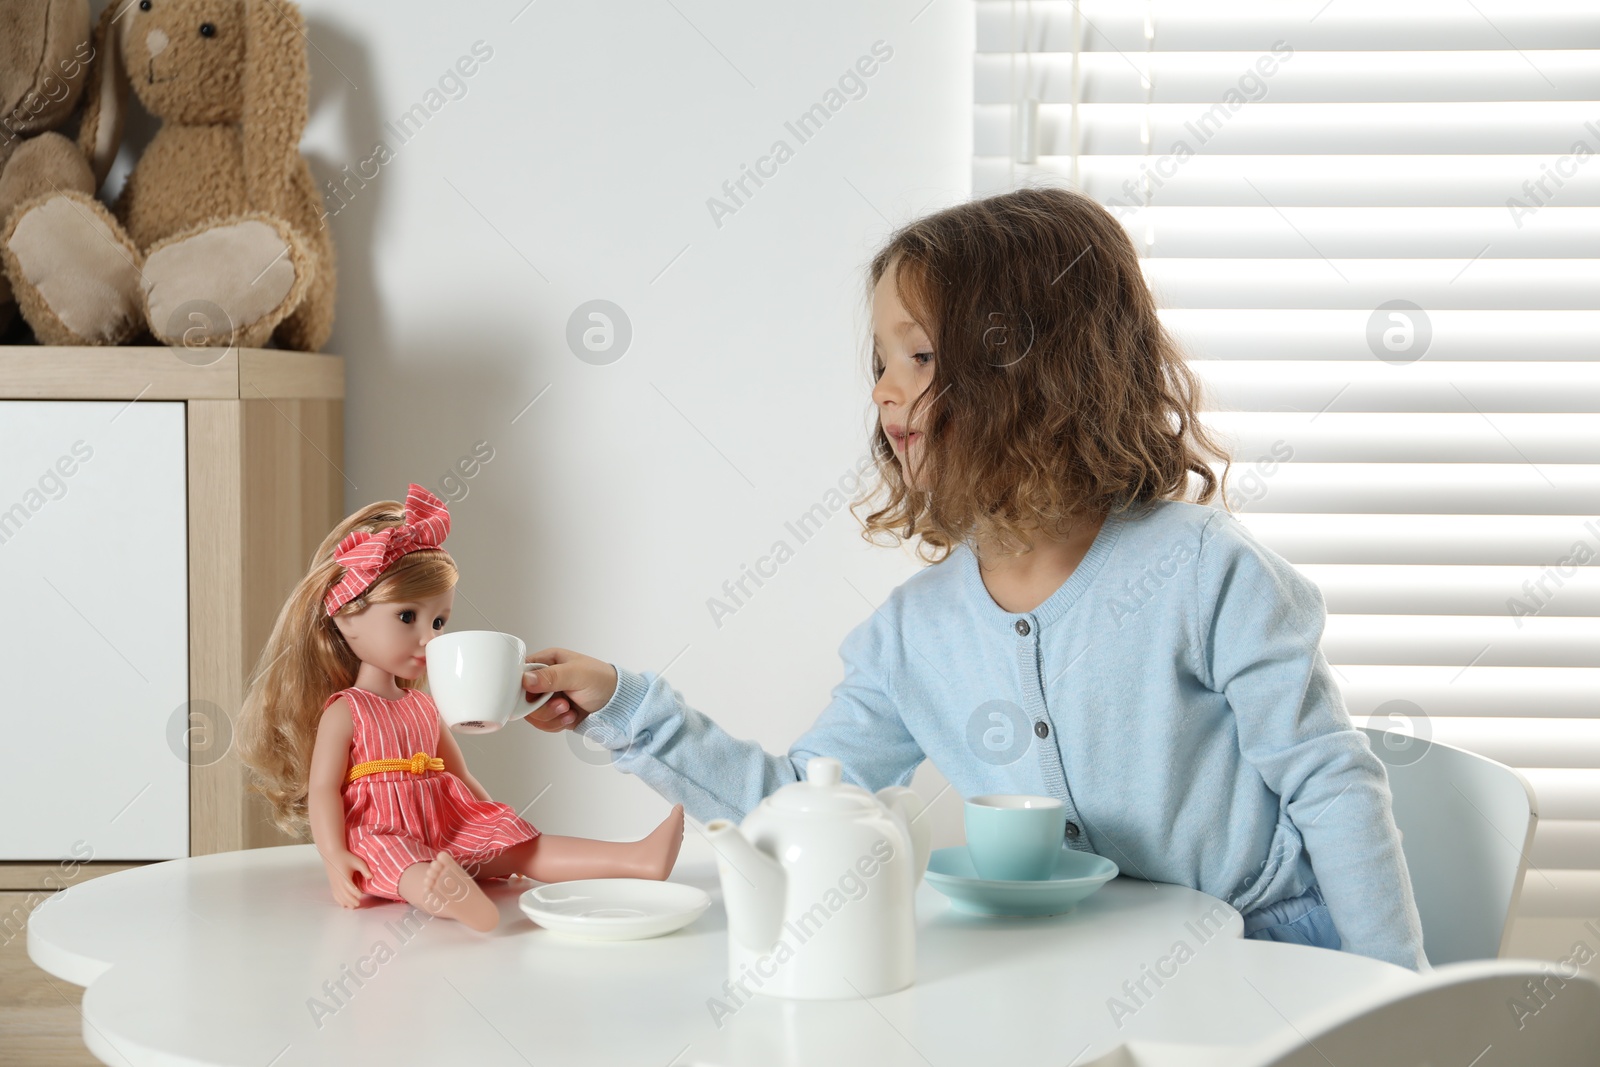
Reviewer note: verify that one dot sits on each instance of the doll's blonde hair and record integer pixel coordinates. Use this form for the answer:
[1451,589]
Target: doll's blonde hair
[307,660]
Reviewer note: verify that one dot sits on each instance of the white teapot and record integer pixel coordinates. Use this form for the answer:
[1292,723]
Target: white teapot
[819,884]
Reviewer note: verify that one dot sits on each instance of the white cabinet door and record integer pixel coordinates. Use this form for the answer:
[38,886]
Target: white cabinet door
[94,630]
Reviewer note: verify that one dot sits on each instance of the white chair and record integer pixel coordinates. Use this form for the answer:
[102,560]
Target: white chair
[1518,1011]
[1466,823]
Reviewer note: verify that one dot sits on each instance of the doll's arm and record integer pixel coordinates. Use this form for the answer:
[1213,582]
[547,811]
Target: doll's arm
[456,764]
[330,762]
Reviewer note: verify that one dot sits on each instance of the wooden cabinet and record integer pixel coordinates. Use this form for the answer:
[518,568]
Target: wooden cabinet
[154,514]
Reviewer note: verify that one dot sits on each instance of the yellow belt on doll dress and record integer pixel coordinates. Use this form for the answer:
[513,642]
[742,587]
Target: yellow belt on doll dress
[417,764]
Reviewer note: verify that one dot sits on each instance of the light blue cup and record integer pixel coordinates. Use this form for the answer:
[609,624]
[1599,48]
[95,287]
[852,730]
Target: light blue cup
[1013,837]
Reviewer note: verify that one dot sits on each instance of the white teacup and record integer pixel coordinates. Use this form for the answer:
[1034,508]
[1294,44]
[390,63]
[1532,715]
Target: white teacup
[475,678]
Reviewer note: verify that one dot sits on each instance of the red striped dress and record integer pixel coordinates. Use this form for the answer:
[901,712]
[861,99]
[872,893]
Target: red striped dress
[393,819]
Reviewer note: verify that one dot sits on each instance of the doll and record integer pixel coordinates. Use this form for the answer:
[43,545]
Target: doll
[341,741]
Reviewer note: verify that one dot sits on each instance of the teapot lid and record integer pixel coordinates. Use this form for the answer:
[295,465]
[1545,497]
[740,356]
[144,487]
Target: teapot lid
[823,790]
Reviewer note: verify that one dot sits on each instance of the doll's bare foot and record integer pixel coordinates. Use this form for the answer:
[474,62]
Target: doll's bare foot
[226,285]
[75,272]
[442,888]
[548,858]
[659,851]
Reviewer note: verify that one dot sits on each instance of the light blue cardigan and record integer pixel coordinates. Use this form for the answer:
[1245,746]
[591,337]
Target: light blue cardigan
[1172,692]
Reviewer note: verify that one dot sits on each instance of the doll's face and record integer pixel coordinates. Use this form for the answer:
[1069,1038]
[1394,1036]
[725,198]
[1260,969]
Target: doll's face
[392,636]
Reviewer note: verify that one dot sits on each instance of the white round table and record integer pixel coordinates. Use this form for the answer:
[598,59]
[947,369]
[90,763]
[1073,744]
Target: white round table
[244,958]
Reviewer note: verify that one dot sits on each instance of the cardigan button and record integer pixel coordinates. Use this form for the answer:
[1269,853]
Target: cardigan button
[1041,728]
[1022,627]
[1072,831]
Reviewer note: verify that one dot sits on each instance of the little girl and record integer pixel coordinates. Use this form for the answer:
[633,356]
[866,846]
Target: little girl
[342,741]
[1085,633]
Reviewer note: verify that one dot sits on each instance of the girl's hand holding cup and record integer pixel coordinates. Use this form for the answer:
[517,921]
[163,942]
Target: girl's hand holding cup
[577,684]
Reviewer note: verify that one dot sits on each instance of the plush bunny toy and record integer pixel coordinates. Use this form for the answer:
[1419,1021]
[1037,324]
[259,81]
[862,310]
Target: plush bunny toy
[44,55]
[218,236]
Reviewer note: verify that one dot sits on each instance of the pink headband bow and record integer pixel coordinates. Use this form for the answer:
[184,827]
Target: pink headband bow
[366,555]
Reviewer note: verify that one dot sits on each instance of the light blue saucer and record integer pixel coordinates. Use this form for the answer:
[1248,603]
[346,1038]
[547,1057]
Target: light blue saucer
[1077,874]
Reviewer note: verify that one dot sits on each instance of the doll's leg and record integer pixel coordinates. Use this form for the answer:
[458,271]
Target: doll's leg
[549,858]
[442,888]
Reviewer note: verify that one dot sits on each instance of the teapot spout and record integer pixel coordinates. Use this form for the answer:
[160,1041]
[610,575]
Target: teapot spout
[753,886]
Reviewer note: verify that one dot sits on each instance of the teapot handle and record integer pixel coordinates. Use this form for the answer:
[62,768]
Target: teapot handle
[910,806]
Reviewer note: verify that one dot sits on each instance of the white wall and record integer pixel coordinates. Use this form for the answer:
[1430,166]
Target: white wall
[584,150]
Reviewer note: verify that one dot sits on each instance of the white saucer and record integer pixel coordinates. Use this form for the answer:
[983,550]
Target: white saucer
[1077,875]
[614,909]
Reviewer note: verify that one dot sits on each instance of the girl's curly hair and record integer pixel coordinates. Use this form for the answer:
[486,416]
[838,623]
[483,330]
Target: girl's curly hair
[1057,395]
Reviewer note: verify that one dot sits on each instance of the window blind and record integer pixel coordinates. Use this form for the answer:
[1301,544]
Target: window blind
[1374,227]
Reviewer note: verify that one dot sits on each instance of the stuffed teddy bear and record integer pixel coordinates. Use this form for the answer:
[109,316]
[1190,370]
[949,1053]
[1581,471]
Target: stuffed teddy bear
[44,59]
[217,237]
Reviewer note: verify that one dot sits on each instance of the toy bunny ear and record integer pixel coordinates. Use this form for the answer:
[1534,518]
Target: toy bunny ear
[106,94]
[277,81]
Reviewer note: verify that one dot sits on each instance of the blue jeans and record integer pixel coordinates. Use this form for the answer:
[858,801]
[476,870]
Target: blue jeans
[1301,920]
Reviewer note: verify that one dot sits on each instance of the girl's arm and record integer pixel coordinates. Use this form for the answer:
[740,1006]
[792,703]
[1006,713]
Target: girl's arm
[686,757]
[1261,631]
[456,763]
[330,762]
